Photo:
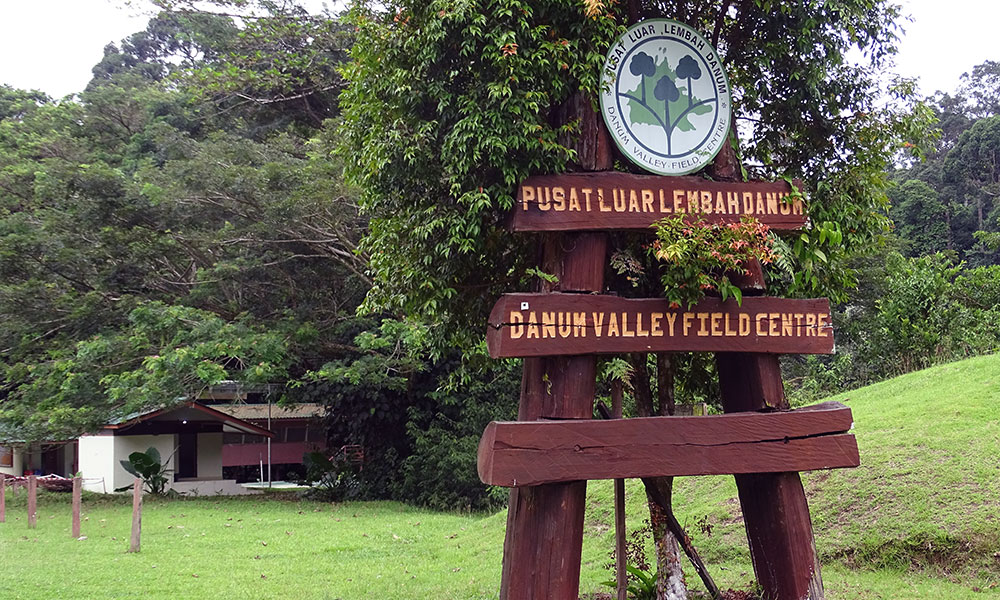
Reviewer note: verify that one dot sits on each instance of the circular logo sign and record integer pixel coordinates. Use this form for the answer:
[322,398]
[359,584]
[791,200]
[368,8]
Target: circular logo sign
[665,97]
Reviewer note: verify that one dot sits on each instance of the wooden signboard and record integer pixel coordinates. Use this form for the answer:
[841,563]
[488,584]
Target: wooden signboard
[532,453]
[523,325]
[611,200]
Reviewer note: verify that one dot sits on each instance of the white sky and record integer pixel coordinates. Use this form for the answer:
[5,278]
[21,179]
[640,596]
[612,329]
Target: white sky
[52,44]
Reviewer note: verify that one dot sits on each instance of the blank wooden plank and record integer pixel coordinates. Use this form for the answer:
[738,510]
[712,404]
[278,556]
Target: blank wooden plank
[623,201]
[135,539]
[522,453]
[524,325]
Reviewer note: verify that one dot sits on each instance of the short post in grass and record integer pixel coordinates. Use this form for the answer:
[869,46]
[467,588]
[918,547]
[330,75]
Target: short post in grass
[3,498]
[136,515]
[32,501]
[77,485]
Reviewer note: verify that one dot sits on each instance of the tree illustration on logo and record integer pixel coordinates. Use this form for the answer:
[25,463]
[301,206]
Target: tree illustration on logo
[667,91]
[642,66]
[688,69]
[673,113]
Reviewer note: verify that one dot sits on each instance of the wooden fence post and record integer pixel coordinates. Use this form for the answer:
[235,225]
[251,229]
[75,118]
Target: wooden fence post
[3,498]
[544,539]
[77,485]
[136,515]
[32,501]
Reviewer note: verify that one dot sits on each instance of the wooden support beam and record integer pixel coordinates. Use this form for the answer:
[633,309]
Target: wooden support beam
[515,454]
[544,539]
[775,510]
[523,325]
[3,498]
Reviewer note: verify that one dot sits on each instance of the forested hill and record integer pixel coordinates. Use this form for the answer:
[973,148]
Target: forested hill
[184,220]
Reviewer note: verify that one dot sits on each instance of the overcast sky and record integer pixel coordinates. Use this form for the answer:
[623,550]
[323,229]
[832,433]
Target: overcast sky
[52,44]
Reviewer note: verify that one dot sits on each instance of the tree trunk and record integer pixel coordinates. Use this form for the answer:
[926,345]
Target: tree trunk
[670,584]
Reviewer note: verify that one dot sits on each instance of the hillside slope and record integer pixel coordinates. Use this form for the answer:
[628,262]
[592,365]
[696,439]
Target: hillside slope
[925,501]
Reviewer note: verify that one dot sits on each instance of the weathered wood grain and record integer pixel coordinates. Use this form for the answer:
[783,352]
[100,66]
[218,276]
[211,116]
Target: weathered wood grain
[623,201]
[521,454]
[32,501]
[524,325]
[77,493]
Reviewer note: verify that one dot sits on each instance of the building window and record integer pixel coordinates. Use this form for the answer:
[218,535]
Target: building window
[6,457]
[295,434]
[232,438]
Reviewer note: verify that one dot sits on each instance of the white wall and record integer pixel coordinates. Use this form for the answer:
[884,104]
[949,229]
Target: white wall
[100,457]
[97,462]
[210,455]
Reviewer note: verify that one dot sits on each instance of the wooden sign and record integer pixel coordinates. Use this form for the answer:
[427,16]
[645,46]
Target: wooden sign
[612,200]
[564,324]
[515,454]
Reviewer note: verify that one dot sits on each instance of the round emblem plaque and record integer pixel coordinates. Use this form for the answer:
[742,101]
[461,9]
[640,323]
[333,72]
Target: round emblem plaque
[665,97]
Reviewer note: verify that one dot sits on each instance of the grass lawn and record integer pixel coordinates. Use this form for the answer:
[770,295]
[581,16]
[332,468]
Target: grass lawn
[919,519]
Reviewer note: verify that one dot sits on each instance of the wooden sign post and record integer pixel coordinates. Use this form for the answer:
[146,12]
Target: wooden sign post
[3,498]
[77,486]
[32,501]
[551,450]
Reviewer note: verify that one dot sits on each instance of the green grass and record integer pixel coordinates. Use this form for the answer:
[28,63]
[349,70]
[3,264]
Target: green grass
[919,519]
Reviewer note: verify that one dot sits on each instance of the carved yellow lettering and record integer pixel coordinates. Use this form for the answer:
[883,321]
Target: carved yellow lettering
[544,198]
[748,203]
[579,324]
[639,331]
[772,203]
[565,324]
[558,199]
[678,201]
[598,323]
[548,325]
[760,203]
[574,200]
[671,319]
[620,200]
[720,204]
[613,330]
[733,199]
[694,200]
[647,200]
[729,331]
[586,197]
[688,318]
[761,330]
[516,328]
[822,324]
[774,321]
[664,207]
[625,330]
[527,196]
[744,325]
[716,324]
[532,326]
[786,205]
[633,201]
[654,325]
[786,325]
[706,202]
[600,201]
[810,325]
[703,324]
